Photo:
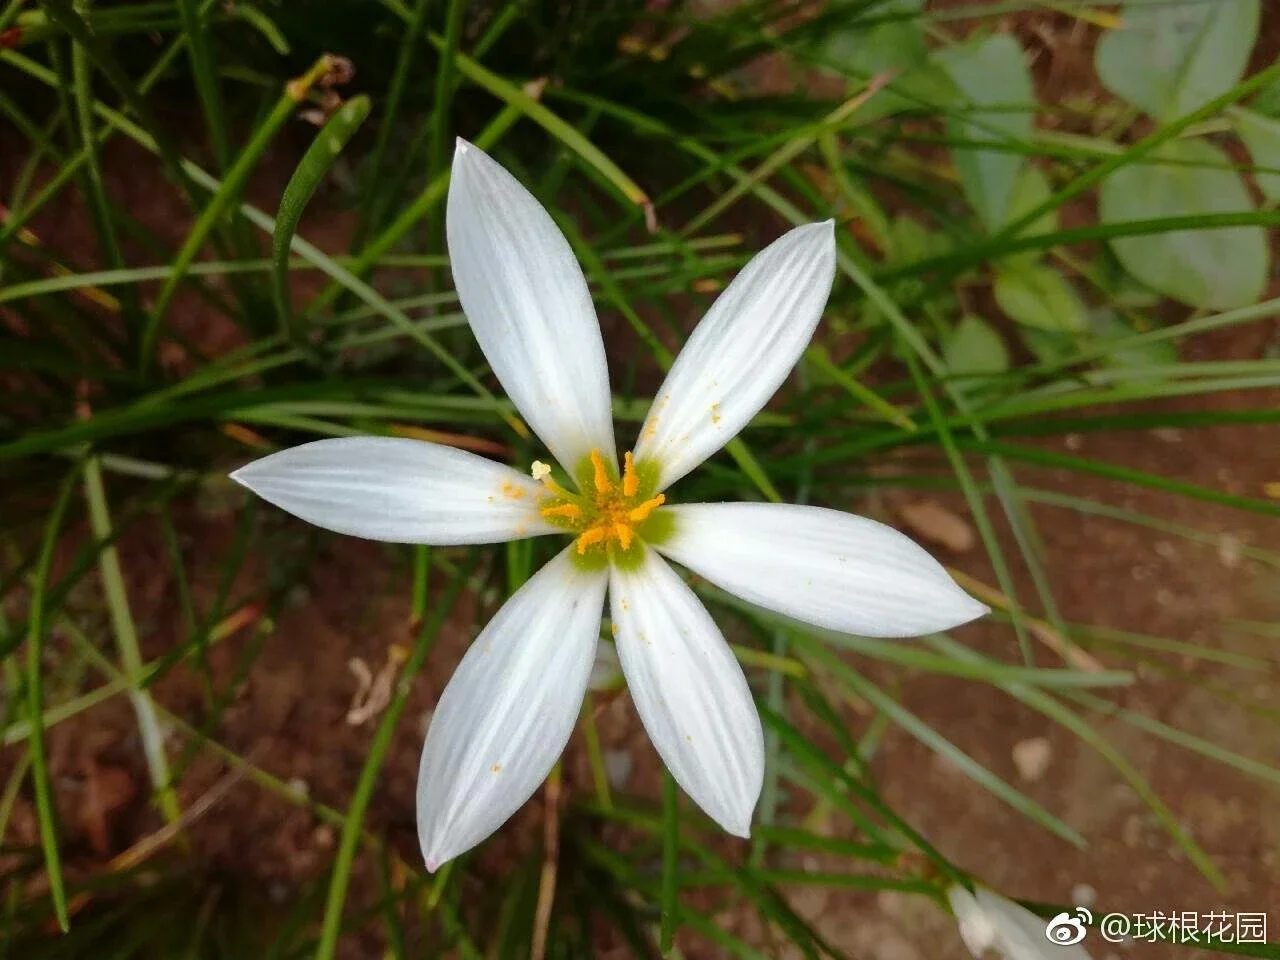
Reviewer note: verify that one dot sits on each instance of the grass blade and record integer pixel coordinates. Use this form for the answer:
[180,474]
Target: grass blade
[126,634]
[1071,721]
[513,95]
[196,32]
[223,199]
[306,179]
[376,195]
[39,770]
[938,743]
[670,859]
[444,87]
[415,210]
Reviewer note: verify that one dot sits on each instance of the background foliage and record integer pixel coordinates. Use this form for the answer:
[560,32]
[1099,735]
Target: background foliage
[1012,270]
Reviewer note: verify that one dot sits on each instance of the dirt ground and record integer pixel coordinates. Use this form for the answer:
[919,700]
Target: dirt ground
[288,714]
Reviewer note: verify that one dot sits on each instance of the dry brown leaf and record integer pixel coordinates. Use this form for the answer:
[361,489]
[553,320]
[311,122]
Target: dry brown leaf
[937,524]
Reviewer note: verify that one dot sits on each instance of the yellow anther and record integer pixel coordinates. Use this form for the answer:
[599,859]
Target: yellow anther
[570,511]
[630,479]
[624,535]
[641,513]
[603,485]
[593,536]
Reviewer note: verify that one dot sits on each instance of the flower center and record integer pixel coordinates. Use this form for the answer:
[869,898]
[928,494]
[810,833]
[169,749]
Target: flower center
[609,510]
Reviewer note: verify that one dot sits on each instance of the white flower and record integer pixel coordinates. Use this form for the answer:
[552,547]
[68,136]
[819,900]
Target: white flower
[989,922]
[507,714]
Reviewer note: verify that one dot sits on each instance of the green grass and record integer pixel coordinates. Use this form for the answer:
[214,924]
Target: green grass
[647,135]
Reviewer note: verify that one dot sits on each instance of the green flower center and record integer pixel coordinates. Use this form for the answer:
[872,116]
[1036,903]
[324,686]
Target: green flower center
[611,516]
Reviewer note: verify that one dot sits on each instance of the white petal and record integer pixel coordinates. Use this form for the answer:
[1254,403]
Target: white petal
[741,351]
[824,567]
[976,928]
[529,308]
[988,920]
[505,717]
[689,691]
[399,491]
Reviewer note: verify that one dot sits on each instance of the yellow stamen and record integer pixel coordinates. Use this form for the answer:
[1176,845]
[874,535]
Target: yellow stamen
[624,535]
[593,536]
[570,511]
[630,479]
[605,513]
[603,485]
[641,513]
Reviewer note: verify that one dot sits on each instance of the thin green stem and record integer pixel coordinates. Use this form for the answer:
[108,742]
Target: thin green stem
[126,634]
[46,811]
[670,862]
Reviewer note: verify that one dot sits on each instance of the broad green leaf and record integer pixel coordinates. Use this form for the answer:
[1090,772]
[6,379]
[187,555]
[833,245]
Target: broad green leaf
[1216,269]
[913,241]
[992,76]
[891,42]
[1107,325]
[1174,56]
[890,39]
[1267,102]
[1030,191]
[1261,134]
[1037,296]
[1123,288]
[974,348]
[1049,346]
